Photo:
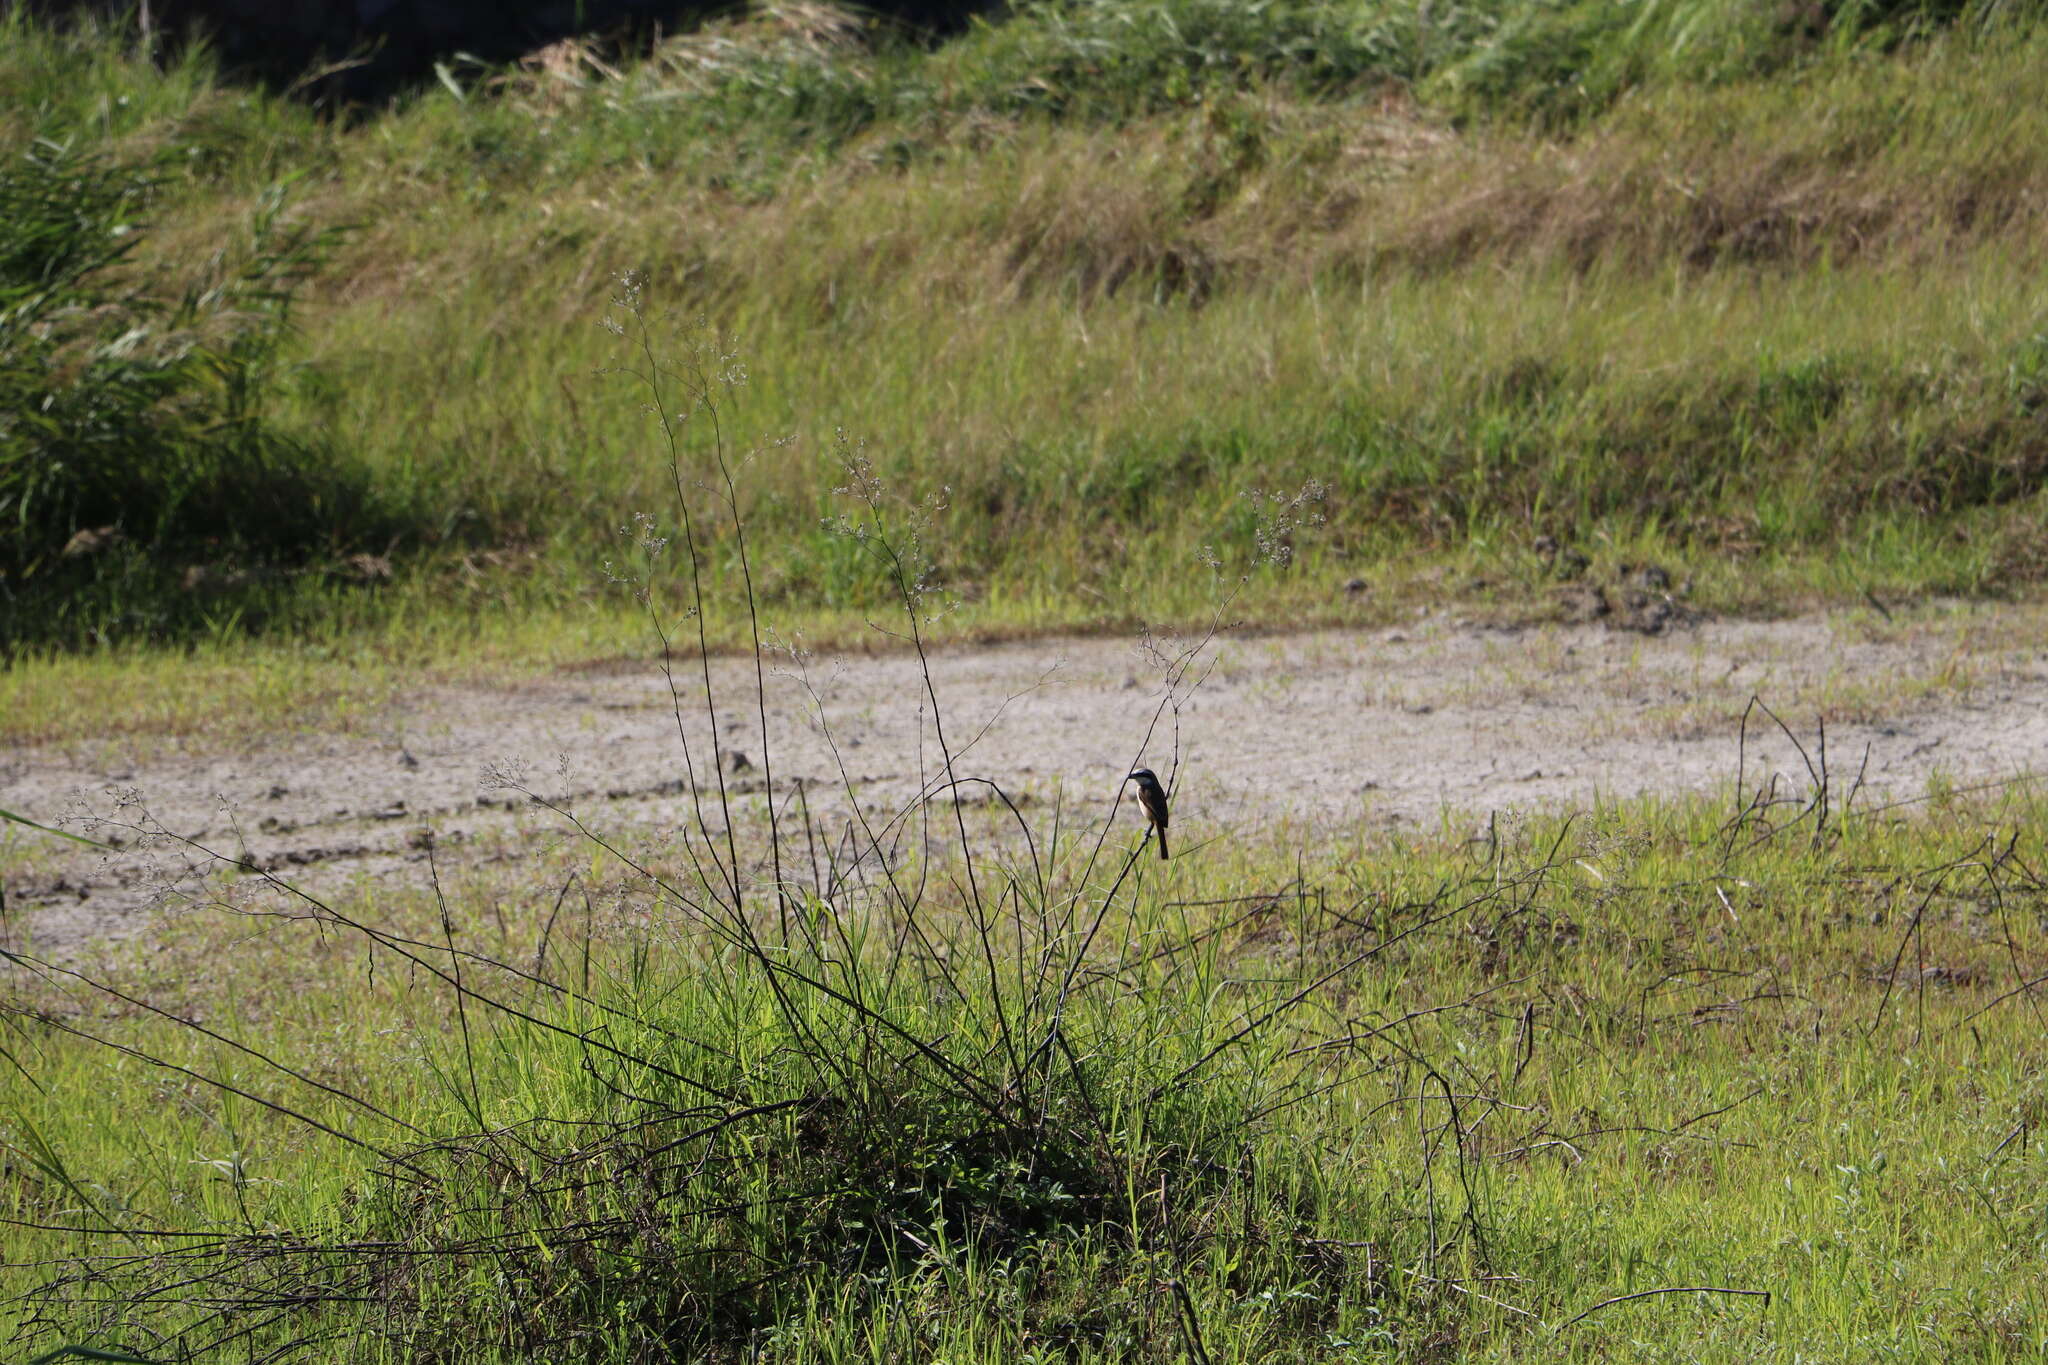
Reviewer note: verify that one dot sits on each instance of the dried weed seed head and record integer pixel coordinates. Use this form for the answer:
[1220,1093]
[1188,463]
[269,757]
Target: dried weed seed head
[1276,518]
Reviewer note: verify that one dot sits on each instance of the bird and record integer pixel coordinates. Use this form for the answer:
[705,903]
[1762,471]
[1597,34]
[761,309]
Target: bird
[1152,797]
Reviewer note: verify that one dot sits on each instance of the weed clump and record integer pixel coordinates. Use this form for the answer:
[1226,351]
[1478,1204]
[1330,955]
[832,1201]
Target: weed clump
[963,1061]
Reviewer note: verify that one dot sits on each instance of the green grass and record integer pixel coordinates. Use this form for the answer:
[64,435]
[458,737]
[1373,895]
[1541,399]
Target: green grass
[1767,311]
[1681,1058]
[989,1082]
[1101,293]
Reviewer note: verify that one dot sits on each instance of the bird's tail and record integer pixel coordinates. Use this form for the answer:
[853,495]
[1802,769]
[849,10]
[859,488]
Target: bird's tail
[1161,830]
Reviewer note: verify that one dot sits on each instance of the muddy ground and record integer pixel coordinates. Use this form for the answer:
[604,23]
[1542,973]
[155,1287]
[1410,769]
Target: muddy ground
[1319,729]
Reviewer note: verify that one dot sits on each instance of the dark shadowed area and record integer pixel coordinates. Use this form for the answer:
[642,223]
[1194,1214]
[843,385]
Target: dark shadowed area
[363,49]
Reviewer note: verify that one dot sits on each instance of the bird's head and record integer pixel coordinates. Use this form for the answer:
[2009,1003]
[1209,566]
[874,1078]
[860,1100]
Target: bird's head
[1143,777]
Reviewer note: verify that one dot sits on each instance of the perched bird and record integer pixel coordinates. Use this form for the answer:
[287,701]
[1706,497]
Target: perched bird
[1152,797]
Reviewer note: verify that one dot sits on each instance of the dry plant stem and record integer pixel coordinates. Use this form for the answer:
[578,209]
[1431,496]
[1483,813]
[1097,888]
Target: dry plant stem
[1252,1026]
[1175,673]
[1818,802]
[711,892]
[1912,933]
[224,1087]
[51,969]
[739,526]
[670,423]
[776,968]
[879,544]
[2025,989]
[920,802]
[403,948]
[735,930]
[476,1104]
[2009,856]
[905,901]
[907,597]
[1763,1294]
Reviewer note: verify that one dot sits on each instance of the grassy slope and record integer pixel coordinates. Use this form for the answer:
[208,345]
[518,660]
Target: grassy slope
[1775,328]
[1787,319]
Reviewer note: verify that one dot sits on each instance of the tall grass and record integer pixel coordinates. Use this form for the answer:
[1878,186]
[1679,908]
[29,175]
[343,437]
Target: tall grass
[872,1083]
[804,1078]
[1100,269]
[1641,1049]
[136,440]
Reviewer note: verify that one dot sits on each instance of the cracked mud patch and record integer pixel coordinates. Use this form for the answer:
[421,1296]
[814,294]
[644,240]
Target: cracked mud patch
[1313,730]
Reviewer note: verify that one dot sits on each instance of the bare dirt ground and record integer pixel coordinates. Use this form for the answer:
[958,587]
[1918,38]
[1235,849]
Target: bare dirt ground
[1314,730]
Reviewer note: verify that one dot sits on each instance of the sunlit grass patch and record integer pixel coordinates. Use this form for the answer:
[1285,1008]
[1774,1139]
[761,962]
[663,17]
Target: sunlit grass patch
[1773,331]
[1641,1047]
